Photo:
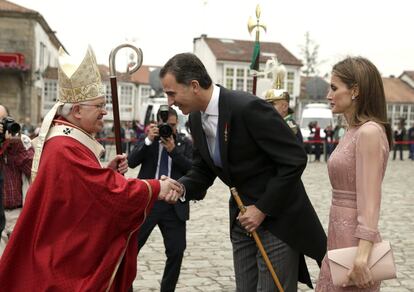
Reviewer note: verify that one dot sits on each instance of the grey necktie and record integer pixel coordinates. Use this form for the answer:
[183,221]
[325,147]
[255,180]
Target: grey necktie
[209,131]
[212,139]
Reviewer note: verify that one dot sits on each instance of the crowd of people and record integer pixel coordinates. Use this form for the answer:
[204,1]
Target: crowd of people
[403,140]
[82,224]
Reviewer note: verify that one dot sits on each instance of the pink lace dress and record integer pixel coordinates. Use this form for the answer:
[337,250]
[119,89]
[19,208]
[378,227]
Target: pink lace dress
[356,169]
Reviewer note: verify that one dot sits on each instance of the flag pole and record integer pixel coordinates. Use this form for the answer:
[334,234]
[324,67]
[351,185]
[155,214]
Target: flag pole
[254,66]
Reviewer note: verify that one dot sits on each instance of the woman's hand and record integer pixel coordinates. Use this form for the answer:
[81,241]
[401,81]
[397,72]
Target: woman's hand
[360,275]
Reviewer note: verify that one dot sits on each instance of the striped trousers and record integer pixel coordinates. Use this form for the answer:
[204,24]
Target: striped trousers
[250,268]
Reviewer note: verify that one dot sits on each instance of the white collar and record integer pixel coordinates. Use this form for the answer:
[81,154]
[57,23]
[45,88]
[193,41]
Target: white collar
[212,107]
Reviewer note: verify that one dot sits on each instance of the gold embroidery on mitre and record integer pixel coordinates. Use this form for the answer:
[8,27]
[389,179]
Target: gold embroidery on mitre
[79,83]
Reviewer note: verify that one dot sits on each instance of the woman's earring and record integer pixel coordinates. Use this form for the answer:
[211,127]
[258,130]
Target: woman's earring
[353,97]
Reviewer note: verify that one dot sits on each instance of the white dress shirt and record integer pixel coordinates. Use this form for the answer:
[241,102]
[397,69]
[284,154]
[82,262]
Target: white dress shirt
[209,119]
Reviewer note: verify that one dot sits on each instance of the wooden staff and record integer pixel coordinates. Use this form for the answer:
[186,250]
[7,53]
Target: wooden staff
[259,244]
[114,89]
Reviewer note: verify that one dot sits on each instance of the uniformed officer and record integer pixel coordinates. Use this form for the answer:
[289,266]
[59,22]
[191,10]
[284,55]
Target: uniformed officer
[280,101]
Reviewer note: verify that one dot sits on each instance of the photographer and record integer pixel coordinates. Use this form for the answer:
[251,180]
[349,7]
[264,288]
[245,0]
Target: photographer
[164,152]
[16,156]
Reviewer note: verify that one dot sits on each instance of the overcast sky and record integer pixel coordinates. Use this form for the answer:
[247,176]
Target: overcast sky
[379,30]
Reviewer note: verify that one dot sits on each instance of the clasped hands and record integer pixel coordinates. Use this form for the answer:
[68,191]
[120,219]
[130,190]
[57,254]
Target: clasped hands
[170,190]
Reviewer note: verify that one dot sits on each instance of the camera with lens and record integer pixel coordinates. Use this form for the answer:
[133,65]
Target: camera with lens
[164,128]
[9,125]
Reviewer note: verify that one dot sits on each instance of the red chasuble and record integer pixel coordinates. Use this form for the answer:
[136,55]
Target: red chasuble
[78,227]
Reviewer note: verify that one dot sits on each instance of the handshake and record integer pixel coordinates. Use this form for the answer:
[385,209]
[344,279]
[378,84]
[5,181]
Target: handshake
[170,190]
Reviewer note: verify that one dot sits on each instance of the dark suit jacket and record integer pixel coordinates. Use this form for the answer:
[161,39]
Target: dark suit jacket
[263,160]
[147,156]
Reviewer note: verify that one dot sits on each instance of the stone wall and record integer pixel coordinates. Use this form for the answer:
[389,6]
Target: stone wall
[16,92]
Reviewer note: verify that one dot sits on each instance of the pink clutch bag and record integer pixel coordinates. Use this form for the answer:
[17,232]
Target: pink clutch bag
[381,263]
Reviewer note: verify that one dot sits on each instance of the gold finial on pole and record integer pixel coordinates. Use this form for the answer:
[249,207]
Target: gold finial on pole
[251,25]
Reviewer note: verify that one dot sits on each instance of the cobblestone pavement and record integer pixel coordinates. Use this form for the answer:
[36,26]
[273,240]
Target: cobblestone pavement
[208,264]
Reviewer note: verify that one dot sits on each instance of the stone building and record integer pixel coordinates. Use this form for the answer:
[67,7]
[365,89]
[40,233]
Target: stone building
[27,47]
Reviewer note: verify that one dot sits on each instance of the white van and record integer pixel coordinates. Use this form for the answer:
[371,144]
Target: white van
[319,112]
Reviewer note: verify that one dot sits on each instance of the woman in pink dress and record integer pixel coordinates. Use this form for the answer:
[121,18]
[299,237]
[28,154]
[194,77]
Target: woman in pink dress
[356,169]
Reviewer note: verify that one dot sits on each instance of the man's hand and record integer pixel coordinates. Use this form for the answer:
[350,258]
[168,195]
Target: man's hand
[252,218]
[170,190]
[152,132]
[119,163]
[168,143]
[9,137]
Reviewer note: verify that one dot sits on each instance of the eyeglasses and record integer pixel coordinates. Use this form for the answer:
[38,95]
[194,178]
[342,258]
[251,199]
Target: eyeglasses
[101,106]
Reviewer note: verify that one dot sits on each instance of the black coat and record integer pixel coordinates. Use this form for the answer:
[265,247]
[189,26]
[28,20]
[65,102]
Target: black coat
[147,157]
[263,160]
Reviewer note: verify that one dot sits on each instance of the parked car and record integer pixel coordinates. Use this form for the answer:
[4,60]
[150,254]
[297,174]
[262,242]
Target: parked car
[315,112]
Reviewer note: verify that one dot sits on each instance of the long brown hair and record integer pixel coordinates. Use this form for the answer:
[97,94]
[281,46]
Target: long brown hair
[370,103]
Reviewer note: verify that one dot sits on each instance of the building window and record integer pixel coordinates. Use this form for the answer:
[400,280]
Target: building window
[126,95]
[410,119]
[125,103]
[250,84]
[229,83]
[240,79]
[290,82]
[108,97]
[397,110]
[145,91]
[405,111]
[50,94]
[237,78]
[42,52]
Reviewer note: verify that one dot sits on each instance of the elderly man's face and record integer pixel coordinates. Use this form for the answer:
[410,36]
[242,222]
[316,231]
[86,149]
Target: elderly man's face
[282,107]
[90,115]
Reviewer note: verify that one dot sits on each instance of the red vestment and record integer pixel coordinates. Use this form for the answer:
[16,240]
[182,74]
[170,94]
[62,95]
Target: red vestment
[77,230]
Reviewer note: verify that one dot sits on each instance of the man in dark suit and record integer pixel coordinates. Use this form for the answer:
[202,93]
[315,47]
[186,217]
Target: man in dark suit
[244,141]
[170,156]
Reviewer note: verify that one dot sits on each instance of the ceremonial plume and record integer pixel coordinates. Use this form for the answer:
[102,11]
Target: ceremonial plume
[278,73]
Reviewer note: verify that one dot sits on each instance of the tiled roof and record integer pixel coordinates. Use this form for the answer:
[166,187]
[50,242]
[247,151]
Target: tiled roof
[313,87]
[397,91]
[142,76]
[139,77]
[9,6]
[409,74]
[241,51]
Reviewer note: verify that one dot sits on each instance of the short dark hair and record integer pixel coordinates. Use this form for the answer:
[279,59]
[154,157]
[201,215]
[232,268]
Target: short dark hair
[186,67]
[171,112]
